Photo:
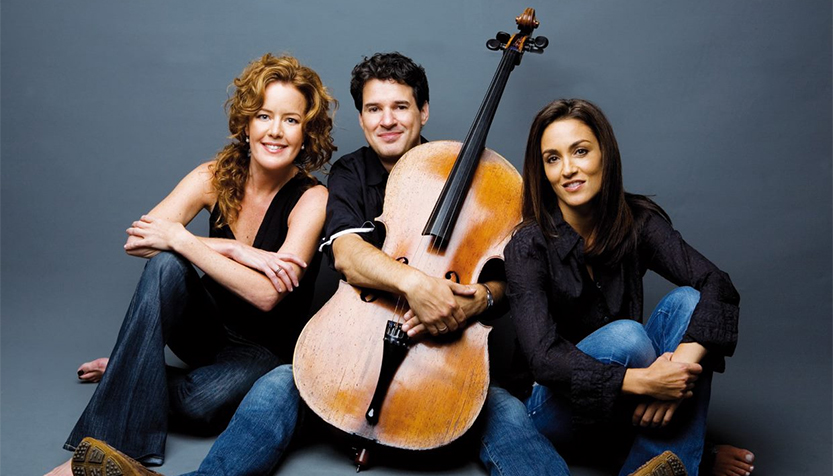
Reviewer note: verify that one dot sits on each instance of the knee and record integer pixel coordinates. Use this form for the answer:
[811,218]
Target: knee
[167,264]
[683,299]
[630,344]
[275,388]
[502,408]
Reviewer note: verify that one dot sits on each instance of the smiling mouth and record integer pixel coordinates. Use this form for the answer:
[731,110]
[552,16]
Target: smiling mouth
[274,147]
[390,136]
[573,186]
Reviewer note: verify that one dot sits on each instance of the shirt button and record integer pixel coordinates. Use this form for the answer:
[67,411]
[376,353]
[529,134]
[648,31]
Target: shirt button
[606,319]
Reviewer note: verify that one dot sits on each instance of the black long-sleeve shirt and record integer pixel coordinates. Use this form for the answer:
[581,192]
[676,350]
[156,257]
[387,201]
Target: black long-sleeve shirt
[555,303]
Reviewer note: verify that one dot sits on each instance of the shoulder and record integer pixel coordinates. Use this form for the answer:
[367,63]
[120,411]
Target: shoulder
[352,161]
[198,183]
[315,195]
[527,241]
[312,203]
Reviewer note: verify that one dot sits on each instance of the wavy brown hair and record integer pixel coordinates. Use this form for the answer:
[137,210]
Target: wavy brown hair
[231,166]
[617,213]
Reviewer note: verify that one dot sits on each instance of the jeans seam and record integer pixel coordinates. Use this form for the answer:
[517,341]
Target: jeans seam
[491,456]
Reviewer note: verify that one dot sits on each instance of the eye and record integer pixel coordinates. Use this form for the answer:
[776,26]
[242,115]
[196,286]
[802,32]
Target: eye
[551,159]
[402,107]
[372,109]
[293,120]
[262,116]
[581,152]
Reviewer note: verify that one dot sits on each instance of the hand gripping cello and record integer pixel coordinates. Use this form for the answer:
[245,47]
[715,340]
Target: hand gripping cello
[449,208]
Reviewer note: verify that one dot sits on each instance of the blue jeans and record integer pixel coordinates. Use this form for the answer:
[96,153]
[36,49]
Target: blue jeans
[264,424]
[260,431]
[629,344]
[138,393]
[510,445]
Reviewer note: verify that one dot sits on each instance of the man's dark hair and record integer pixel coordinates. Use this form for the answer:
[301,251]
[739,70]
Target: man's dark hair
[389,66]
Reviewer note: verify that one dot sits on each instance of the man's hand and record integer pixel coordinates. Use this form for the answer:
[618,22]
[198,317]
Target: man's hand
[436,305]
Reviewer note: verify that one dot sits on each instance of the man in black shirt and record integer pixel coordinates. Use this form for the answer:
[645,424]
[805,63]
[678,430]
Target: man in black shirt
[391,95]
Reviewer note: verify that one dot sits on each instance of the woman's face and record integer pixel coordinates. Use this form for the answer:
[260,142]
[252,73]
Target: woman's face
[276,132]
[572,164]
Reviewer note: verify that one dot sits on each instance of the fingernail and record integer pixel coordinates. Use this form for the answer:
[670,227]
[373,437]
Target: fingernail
[80,373]
[749,457]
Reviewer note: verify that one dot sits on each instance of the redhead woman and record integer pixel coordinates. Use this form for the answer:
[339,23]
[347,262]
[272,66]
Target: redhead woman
[241,319]
[574,271]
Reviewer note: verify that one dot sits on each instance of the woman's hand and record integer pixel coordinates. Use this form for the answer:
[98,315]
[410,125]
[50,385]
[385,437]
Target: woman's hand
[275,265]
[663,380]
[656,413]
[150,233]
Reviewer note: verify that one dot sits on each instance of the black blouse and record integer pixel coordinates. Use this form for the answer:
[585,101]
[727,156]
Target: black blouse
[278,329]
[555,303]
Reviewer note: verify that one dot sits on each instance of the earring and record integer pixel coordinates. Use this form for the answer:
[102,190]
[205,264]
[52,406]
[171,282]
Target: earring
[247,139]
[302,146]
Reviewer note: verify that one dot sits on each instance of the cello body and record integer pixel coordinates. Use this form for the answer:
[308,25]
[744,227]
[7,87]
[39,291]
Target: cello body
[441,386]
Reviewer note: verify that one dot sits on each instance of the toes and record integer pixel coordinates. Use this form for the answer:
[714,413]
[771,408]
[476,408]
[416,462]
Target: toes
[93,370]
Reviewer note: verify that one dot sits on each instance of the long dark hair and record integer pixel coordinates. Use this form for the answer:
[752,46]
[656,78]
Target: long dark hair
[617,212]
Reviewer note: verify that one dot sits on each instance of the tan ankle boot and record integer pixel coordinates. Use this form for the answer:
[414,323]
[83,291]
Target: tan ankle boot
[97,458]
[666,464]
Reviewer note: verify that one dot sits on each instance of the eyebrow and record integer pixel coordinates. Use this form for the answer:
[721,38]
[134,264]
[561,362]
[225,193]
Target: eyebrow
[573,145]
[395,103]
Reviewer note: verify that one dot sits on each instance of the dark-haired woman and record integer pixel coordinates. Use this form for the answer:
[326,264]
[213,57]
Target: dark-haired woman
[241,319]
[575,269]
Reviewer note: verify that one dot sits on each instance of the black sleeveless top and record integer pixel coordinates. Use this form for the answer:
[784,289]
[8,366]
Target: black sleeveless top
[278,329]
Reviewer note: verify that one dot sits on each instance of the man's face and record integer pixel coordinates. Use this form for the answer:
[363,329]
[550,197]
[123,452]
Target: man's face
[390,119]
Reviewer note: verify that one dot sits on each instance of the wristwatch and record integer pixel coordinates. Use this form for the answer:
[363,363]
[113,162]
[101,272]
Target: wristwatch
[490,300]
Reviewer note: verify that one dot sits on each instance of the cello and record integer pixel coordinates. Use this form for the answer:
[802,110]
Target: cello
[353,365]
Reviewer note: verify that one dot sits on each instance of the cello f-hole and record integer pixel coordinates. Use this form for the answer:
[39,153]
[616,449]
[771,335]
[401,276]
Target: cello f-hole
[367,296]
[453,276]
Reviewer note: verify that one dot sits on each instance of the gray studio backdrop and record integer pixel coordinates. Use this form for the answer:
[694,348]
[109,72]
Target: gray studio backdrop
[722,110]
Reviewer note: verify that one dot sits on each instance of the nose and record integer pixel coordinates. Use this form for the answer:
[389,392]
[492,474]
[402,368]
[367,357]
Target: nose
[276,129]
[568,167]
[388,118]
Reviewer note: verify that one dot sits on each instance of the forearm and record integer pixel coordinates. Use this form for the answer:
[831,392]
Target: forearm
[245,282]
[364,265]
[224,246]
[689,352]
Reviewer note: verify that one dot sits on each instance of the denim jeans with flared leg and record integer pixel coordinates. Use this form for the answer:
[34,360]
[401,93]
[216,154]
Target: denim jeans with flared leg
[138,393]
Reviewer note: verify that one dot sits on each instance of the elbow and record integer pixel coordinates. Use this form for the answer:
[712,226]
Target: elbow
[538,367]
[268,302]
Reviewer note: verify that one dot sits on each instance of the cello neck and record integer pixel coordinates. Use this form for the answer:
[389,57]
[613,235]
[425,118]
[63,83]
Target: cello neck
[441,222]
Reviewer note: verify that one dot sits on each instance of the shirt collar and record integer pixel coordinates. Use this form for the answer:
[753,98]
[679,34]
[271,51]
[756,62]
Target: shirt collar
[566,237]
[376,173]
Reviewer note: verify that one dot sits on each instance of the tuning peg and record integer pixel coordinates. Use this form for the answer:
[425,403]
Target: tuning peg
[503,37]
[494,45]
[536,45]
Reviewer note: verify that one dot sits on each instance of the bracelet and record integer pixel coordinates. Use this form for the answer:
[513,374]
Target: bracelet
[490,300]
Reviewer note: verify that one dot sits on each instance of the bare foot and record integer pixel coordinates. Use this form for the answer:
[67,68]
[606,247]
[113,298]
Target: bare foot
[92,371]
[732,461]
[62,470]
